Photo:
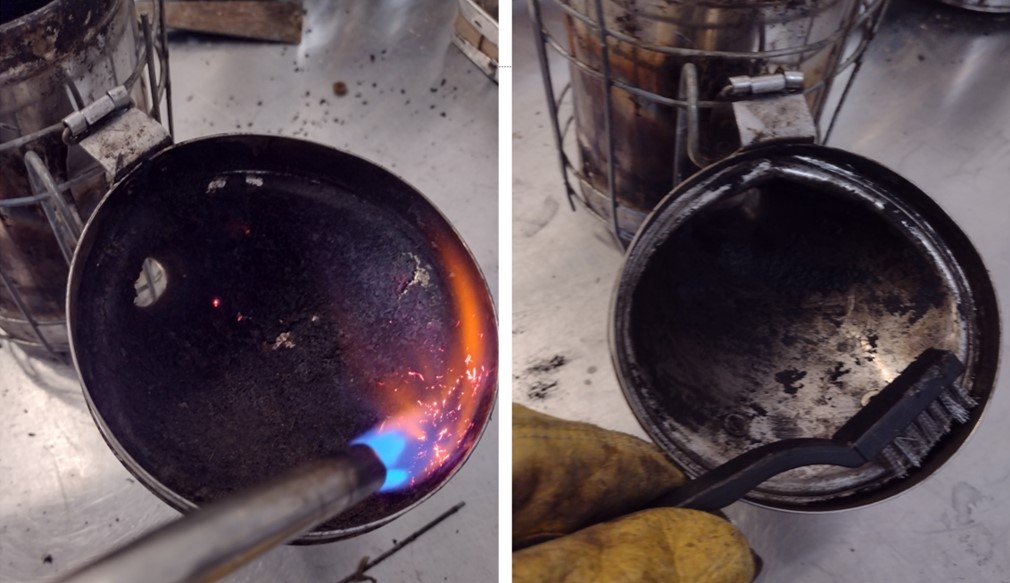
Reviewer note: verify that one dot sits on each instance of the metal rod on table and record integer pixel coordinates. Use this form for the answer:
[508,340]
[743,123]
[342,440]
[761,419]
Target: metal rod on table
[214,541]
[366,564]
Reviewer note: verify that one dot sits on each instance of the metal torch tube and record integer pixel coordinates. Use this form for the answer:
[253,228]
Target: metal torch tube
[217,539]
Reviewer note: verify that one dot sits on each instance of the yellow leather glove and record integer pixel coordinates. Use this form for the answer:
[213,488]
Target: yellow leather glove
[570,477]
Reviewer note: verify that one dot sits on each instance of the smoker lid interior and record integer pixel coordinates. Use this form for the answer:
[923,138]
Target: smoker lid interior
[772,294]
[299,291]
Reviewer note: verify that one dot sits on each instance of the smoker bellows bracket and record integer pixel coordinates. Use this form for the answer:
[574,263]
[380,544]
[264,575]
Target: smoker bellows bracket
[776,114]
[114,133]
[779,119]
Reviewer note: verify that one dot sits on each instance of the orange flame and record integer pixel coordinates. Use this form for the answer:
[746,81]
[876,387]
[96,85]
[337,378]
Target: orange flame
[436,410]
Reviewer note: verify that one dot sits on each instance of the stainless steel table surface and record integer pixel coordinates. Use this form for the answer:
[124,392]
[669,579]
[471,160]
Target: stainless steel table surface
[415,105]
[932,103]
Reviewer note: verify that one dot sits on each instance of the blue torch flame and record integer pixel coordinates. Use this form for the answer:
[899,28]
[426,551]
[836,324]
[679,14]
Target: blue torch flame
[389,446]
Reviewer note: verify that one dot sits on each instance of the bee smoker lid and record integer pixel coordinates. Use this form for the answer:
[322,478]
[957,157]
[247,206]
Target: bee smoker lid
[240,305]
[773,293]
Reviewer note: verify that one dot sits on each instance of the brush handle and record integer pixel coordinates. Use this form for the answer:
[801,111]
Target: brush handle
[731,481]
[864,437]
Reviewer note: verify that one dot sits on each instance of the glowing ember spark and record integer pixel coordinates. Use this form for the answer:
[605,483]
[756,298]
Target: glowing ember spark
[216,302]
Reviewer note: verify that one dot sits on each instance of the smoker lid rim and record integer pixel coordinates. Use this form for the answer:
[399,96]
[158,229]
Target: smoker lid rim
[871,176]
[87,242]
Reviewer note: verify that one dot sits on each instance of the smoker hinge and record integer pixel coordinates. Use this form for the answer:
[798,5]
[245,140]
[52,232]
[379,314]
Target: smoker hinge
[116,134]
[783,81]
[771,108]
[79,123]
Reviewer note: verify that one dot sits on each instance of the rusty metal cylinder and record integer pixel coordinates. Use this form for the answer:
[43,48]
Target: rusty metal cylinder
[648,43]
[55,58]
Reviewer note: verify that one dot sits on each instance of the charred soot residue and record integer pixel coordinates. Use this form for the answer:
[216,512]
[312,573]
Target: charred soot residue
[788,379]
[540,389]
[735,425]
[916,303]
[837,373]
[15,9]
[895,306]
[547,365]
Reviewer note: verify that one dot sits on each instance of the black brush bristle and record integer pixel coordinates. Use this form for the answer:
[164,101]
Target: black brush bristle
[898,429]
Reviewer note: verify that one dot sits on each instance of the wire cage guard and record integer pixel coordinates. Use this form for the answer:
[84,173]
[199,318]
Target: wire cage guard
[640,70]
[50,186]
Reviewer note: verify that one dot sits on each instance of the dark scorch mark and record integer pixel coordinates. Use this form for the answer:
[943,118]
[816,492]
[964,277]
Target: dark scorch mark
[539,390]
[787,378]
[838,372]
[547,365]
